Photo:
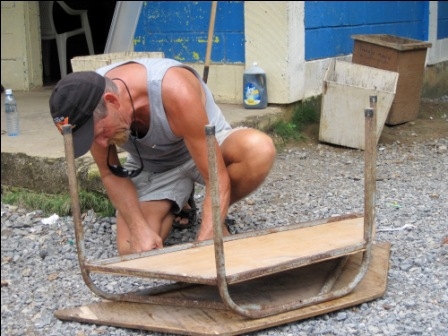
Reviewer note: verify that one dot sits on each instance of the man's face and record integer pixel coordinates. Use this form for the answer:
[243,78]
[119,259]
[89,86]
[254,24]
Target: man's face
[111,130]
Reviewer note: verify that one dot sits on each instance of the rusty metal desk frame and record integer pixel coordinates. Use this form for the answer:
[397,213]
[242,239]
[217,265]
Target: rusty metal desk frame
[220,277]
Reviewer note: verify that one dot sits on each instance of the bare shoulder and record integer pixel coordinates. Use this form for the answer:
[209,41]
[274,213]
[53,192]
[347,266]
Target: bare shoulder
[182,93]
[178,76]
[181,82]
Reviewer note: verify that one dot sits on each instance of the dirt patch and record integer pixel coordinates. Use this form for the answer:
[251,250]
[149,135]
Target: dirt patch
[431,124]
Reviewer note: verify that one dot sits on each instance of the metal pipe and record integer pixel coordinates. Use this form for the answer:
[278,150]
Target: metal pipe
[369,169]
[74,196]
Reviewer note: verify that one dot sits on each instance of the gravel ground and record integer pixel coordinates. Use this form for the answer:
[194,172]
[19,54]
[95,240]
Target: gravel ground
[40,268]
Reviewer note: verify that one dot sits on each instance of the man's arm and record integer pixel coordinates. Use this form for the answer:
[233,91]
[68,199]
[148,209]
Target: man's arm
[123,196]
[184,102]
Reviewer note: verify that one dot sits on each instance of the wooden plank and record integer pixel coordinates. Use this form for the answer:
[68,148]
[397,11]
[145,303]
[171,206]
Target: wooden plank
[197,321]
[252,254]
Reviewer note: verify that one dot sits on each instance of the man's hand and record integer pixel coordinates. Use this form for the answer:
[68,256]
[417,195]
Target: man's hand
[144,239]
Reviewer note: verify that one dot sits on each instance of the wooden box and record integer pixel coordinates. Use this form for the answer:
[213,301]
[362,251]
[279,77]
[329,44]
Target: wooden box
[346,93]
[402,55]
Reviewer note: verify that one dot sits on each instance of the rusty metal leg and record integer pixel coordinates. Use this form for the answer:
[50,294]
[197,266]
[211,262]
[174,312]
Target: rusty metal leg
[369,187]
[370,170]
[74,196]
[256,311]
[80,245]
[334,276]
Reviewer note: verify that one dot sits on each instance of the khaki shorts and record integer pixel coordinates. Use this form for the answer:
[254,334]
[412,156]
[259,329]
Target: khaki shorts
[175,184]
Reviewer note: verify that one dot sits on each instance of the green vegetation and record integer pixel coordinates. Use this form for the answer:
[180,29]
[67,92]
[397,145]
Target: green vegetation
[304,113]
[59,204]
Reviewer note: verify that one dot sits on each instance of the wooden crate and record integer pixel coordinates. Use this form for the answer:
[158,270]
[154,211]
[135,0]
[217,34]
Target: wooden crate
[403,55]
[345,95]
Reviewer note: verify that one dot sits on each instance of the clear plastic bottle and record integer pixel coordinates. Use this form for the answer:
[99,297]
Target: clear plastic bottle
[255,93]
[12,115]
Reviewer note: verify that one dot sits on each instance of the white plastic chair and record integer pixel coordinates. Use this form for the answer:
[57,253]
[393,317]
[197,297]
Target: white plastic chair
[49,32]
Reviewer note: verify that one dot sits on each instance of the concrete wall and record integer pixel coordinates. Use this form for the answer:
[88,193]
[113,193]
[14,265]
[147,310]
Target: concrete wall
[274,39]
[330,24]
[180,29]
[21,60]
[293,41]
[437,32]
[269,33]
[276,35]
[435,82]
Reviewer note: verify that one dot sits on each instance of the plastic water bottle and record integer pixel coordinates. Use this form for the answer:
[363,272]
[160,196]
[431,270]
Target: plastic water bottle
[12,115]
[255,94]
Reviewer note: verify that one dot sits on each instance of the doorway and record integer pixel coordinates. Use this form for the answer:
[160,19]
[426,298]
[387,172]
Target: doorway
[100,15]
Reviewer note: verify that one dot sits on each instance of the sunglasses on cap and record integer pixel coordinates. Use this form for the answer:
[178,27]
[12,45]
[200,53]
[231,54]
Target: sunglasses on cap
[119,170]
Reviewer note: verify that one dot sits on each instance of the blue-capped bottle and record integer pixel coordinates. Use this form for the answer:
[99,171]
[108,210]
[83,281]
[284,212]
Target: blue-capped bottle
[12,115]
[255,93]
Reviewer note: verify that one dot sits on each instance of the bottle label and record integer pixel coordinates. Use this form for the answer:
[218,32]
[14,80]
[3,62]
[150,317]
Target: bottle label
[251,94]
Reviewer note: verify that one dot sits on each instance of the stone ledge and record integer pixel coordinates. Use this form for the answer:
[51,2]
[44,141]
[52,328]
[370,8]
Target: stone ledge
[49,175]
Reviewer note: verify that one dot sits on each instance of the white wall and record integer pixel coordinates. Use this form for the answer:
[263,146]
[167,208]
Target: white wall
[439,50]
[275,39]
[21,60]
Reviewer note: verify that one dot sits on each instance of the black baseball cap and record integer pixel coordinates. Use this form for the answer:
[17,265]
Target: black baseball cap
[73,101]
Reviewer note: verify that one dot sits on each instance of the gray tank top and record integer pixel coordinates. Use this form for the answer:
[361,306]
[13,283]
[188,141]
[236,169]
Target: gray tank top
[160,149]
